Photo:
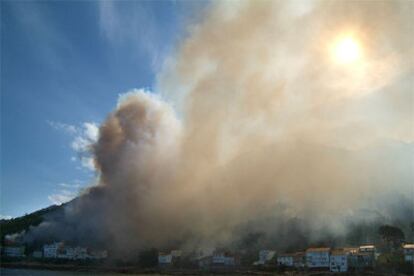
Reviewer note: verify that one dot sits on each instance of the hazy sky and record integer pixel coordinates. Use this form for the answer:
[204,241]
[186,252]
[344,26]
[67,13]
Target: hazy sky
[63,65]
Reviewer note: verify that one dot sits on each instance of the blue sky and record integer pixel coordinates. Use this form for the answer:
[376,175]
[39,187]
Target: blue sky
[63,65]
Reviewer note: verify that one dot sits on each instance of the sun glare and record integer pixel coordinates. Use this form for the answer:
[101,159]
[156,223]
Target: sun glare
[346,50]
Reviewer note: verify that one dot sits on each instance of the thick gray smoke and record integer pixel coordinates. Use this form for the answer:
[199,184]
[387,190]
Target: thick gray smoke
[258,126]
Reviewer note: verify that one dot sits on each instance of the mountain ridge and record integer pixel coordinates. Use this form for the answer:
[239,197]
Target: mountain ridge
[23,223]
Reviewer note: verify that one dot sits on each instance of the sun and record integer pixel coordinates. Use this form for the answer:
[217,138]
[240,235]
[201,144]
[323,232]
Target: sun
[346,50]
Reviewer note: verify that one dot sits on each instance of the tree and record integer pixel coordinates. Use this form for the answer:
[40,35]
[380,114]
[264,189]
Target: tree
[148,258]
[392,235]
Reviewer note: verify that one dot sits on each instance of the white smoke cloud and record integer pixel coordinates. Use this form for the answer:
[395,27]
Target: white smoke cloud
[66,185]
[69,129]
[84,136]
[62,197]
[5,217]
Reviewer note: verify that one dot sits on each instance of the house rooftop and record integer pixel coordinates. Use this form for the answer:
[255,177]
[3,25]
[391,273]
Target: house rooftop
[286,255]
[205,257]
[296,254]
[268,253]
[318,249]
[351,249]
[338,252]
[367,254]
[408,246]
[367,247]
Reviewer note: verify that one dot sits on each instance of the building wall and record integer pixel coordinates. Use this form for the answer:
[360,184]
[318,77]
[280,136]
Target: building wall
[367,249]
[164,259]
[57,250]
[299,261]
[317,259]
[360,261]
[409,258]
[51,250]
[338,263]
[285,260]
[265,256]
[409,254]
[221,259]
[13,251]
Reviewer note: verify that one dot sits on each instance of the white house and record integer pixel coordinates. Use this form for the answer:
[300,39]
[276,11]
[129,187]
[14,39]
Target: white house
[285,260]
[339,261]
[219,259]
[14,251]
[94,254]
[166,259]
[81,253]
[367,249]
[408,252]
[52,250]
[66,252]
[360,261]
[223,259]
[296,260]
[351,250]
[265,256]
[299,260]
[59,250]
[317,258]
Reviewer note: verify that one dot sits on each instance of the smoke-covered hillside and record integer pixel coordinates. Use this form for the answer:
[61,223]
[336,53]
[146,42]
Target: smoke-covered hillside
[22,224]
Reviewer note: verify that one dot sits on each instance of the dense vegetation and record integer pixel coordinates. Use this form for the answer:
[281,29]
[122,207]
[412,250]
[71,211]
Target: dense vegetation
[17,225]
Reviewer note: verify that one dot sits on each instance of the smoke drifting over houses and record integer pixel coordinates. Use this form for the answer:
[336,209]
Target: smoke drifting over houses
[253,128]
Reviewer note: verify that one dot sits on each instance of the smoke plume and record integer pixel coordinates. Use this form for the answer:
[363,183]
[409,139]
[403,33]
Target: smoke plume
[253,128]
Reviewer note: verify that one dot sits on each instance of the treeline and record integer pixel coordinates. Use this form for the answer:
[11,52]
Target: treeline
[17,225]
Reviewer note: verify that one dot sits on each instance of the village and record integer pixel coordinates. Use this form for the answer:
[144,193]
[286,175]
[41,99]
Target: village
[334,260]
[56,250]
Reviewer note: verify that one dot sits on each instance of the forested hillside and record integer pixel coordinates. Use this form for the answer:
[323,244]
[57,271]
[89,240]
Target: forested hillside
[17,225]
